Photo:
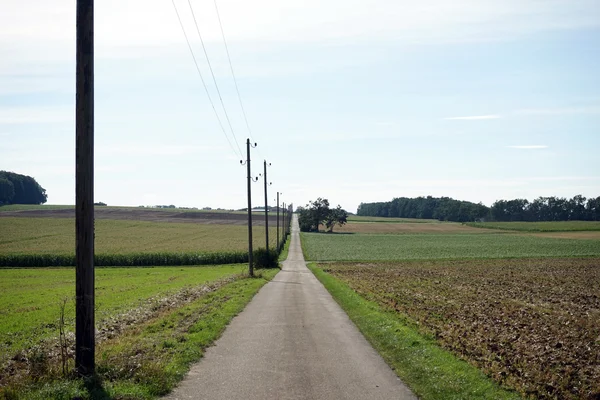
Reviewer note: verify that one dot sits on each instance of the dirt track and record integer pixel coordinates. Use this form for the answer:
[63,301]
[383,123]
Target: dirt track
[221,218]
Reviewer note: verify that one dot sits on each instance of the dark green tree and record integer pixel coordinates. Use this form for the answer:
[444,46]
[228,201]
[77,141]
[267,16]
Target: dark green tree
[318,212]
[7,191]
[337,216]
[26,189]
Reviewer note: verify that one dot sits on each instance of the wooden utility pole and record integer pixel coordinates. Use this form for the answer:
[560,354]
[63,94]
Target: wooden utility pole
[266,209]
[278,242]
[84,191]
[284,221]
[250,266]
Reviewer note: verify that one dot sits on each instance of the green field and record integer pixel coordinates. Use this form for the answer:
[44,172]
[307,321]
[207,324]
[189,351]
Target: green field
[30,299]
[364,247]
[151,325]
[20,235]
[553,226]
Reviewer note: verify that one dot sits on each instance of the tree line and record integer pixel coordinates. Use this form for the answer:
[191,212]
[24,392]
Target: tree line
[20,189]
[448,209]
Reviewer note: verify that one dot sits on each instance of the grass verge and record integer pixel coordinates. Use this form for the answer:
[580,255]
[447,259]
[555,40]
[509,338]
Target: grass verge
[149,359]
[430,371]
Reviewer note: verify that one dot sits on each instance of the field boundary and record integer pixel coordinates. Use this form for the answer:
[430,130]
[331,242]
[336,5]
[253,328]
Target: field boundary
[430,371]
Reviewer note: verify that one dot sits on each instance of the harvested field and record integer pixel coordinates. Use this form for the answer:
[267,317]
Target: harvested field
[543,226]
[531,324]
[406,227]
[144,214]
[590,235]
[357,218]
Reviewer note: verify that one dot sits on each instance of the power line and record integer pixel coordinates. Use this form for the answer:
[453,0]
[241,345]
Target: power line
[231,68]
[213,76]
[202,79]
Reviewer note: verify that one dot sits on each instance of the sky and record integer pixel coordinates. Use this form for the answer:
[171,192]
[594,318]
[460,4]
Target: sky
[353,101]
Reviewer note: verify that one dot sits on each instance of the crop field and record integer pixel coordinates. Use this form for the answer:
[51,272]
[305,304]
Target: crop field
[30,299]
[21,235]
[530,324]
[554,226]
[357,218]
[406,227]
[375,247]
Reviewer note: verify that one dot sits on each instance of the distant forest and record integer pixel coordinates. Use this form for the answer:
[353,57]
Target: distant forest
[448,209]
[20,189]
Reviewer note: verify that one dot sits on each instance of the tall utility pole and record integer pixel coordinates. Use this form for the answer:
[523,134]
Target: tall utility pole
[278,242]
[283,222]
[85,344]
[250,264]
[266,209]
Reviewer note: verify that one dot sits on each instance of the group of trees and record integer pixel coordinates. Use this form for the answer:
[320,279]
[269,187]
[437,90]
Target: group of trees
[441,208]
[20,189]
[318,213]
[448,209]
[577,208]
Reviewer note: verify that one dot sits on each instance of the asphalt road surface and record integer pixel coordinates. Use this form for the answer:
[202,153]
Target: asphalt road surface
[292,341]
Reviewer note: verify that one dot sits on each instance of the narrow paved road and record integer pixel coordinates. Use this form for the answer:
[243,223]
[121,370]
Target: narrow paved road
[292,341]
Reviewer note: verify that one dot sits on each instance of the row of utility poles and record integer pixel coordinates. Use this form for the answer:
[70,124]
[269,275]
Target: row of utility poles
[84,193]
[285,226]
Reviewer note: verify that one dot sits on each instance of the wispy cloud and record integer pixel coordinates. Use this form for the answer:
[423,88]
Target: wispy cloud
[474,117]
[560,110]
[529,147]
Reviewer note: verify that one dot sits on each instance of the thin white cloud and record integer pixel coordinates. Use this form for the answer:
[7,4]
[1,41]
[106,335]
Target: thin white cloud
[475,117]
[560,110]
[529,147]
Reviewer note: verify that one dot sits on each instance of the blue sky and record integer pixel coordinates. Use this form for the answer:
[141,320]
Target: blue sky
[354,101]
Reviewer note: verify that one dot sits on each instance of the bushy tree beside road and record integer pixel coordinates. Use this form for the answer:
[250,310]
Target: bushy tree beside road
[318,213]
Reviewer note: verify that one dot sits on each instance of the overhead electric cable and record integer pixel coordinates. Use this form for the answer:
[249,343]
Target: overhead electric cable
[202,79]
[231,68]
[213,76]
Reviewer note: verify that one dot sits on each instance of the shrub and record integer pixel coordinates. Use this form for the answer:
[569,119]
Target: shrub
[265,259]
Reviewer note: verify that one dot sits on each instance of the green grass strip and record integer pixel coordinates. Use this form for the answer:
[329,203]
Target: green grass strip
[150,360]
[430,371]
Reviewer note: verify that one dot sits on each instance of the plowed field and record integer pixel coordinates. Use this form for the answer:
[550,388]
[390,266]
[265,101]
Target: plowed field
[531,324]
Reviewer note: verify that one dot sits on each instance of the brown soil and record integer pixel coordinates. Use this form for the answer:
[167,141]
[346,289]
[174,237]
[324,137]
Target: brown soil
[530,324]
[591,235]
[220,218]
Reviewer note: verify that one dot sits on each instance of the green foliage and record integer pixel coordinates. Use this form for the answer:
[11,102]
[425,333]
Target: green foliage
[125,260]
[25,189]
[361,247]
[7,191]
[547,209]
[263,258]
[442,208]
[447,209]
[318,212]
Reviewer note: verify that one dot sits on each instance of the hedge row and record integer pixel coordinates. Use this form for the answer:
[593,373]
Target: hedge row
[125,260]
